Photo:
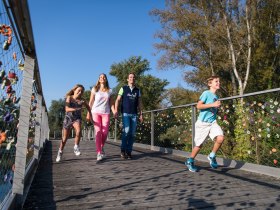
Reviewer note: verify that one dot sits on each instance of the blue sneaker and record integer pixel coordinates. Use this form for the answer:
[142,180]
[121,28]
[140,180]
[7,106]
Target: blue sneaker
[190,164]
[213,162]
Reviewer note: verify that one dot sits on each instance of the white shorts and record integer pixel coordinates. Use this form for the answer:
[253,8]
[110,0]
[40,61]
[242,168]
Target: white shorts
[203,129]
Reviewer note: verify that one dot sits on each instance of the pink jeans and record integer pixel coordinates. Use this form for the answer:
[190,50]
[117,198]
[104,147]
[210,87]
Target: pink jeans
[101,127]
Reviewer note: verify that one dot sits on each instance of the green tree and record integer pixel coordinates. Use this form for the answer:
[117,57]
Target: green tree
[266,62]
[86,97]
[178,96]
[56,114]
[223,38]
[151,87]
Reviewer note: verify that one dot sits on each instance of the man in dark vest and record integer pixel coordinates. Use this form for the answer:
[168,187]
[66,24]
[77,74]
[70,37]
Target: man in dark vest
[131,104]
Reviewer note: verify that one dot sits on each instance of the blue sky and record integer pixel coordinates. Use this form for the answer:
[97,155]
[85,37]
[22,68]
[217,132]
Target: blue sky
[76,40]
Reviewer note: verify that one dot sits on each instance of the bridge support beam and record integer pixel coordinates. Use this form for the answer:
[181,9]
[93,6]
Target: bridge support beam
[38,126]
[23,130]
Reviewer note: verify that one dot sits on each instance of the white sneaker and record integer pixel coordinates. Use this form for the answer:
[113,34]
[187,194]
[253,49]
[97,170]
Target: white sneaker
[59,156]
[99,157]
[77,150]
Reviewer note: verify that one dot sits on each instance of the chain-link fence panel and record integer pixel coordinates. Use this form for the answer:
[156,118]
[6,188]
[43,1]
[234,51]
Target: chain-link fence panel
[11,67]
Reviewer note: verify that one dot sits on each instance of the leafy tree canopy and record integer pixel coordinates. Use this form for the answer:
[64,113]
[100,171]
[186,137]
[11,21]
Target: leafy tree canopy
[151,87]
[179,96]
[56,114]
[237,40]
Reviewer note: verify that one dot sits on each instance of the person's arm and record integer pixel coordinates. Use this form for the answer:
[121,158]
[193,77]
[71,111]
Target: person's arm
[67,108]
[112,104]
[91,101]
[117,102]
[201,105]
[89,115]
[140,109]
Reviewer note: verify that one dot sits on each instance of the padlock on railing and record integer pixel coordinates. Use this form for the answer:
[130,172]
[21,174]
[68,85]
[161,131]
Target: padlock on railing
[12,74]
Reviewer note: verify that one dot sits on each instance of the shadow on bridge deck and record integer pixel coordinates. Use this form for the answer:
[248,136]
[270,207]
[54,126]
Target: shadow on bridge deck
[150,180]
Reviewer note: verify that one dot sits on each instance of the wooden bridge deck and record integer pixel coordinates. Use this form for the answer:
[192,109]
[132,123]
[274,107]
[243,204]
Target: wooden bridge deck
[151,180]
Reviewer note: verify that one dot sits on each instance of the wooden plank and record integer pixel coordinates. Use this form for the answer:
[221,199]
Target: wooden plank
[150,180]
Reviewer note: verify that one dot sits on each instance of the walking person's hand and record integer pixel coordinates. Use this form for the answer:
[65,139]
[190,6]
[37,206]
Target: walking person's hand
[116,115]
[217,104]
[88,117]
[141,118]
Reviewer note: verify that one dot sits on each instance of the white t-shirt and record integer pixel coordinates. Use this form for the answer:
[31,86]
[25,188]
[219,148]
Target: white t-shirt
[101,103]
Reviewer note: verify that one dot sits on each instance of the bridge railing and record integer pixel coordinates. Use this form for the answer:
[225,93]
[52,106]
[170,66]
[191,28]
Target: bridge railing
[23,114]
[251,125]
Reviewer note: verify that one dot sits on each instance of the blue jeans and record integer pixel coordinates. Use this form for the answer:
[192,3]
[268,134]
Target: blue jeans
[129,130]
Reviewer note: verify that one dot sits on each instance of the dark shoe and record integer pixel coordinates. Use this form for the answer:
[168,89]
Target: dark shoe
[128,155]
[190,164]
[123,155]
[213,161]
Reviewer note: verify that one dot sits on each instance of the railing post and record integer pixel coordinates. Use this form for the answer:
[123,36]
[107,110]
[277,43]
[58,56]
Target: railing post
[45,126]
[152,130]
[193,123]
[91,132]
[115,133]
[23,128]
[83,133]
[38,127]
[47,135]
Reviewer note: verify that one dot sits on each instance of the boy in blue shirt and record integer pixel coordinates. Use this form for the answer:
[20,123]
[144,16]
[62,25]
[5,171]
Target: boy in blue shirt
[206,124]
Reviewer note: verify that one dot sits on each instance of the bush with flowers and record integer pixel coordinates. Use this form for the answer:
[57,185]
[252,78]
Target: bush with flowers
[252,130]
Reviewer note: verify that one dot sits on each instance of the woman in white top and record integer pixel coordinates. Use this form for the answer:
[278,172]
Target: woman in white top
[100,104]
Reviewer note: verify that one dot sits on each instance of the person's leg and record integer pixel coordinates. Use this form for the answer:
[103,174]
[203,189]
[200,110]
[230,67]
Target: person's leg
[212,156]
[66,132]
[98,133]
[77,127]
[218,143]
[201,133]
[190,161]
[105,128]
[65,135]
[195,151]
[125,133]
[202,130]
[216,134]
[133,125]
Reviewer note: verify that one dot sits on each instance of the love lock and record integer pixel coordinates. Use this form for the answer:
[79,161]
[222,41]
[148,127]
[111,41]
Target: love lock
[2,75]
[5,82]
[7,101]
[9,89]
[20,65]
[12,74]
[6,30]
[14,56]
[2,137]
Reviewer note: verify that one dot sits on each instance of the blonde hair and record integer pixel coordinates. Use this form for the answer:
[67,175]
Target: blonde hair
[71,92]
[210,79]
[106,84]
